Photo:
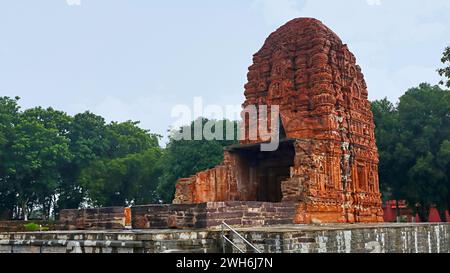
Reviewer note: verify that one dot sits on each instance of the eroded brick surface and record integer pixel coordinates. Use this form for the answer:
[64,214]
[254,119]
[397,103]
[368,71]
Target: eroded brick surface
[210,215]
[305,69]
[98,218]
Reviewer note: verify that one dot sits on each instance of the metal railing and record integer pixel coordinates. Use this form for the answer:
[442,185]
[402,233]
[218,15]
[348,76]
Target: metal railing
[226,239]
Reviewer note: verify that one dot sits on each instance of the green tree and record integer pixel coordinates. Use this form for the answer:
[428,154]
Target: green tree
[58,122]
[425,122]
[413,143]
[184,158]
[387,131]
[445,72]
[127,138]
[443,159]
[129,180]
[37,150]
[88,142]
[9,117]
[51,161]
[129,172]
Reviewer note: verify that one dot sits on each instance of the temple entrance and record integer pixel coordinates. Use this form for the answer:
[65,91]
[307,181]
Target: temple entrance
[260,173]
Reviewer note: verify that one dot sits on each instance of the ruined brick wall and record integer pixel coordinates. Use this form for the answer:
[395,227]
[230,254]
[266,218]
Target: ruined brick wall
[168,216]
[210,215]
[96,219]
[213,185]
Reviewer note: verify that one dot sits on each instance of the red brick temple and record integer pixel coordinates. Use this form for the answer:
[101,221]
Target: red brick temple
[327,162]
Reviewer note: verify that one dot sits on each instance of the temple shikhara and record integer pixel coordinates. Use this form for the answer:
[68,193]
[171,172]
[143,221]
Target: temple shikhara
[326,166]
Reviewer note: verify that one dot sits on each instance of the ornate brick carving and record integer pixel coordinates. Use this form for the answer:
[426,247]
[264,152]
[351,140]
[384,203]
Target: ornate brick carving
[305,69]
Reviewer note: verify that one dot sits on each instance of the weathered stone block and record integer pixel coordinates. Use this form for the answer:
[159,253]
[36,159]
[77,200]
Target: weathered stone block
[212,215]
[53,249]
[5,249]
[26,249]
[99,218]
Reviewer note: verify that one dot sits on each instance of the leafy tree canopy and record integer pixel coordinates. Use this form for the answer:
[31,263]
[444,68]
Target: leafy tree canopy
[445,72]
[413,141]
[183,158]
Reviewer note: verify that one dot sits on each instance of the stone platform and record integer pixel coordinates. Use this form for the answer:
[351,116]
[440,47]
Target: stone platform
[337,238]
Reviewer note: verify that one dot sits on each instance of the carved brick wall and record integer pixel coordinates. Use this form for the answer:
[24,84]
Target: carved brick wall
[306,69]
[213,185]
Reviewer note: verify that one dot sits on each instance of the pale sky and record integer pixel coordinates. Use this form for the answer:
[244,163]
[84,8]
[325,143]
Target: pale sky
[136,59]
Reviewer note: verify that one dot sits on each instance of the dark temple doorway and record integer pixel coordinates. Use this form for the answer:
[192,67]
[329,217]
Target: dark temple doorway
[260,174]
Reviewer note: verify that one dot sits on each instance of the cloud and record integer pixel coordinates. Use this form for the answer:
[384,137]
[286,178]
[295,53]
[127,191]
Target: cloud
[276,12]
[152,108]
[397,43]
[413,75]
[394,83]
[73,2]
[152,111]
[374,2]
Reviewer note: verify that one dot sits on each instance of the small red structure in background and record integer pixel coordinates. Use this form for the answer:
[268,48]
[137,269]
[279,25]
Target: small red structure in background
[434,216]
[417,220]
[390,213]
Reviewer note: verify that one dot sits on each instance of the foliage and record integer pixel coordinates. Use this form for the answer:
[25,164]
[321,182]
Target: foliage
[49,161]
[184,158]
[9,110]
[414,146]
[129,180]
[32,227]
[87,134]
[387,131]
[445,72]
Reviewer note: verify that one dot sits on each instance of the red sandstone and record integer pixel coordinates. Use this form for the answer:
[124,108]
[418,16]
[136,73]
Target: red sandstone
[329,166]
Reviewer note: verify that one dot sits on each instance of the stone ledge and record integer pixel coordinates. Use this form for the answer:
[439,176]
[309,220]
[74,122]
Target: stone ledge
[337,238]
